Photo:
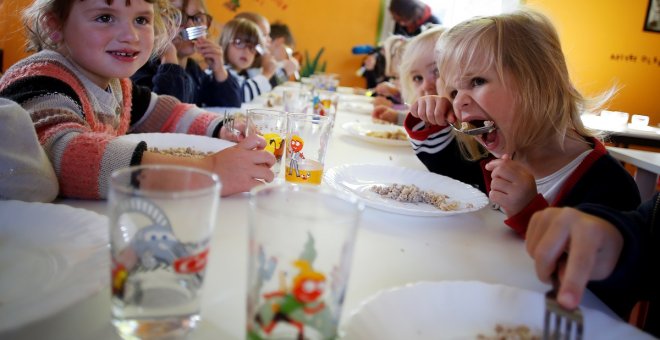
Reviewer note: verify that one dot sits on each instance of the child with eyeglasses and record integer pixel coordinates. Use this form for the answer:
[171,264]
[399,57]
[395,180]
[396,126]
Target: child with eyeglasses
[176,73]
[241,40]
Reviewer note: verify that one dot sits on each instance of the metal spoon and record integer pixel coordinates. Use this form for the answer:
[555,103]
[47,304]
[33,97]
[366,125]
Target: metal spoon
[474,131]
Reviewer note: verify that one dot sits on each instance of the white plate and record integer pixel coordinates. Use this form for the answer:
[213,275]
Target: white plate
[360,130]
[463,310]
[356,107]
[51,256]
[359,178]
[174,140]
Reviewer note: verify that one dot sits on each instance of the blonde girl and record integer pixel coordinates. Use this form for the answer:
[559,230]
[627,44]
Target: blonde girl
[508,71]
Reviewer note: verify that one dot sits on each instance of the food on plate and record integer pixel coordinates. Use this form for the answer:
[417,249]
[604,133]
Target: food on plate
[410,193]
[397,134]
[181,151]
[521,332]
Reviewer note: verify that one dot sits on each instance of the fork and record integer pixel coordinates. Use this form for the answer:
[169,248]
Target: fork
[559,322]
[192,33]
[228,123]
[475,131]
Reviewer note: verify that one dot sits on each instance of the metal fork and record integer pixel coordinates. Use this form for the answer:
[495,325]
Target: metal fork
[559,322]
[192,33]
[228,123]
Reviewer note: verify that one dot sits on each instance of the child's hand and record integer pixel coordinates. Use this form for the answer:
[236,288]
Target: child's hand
[434,110]
[243,166]
[213,56]
[385,113]
[593,246]
[382,101]
[268,65]
[512,186]
[169,55]
[387,89]
[237,133]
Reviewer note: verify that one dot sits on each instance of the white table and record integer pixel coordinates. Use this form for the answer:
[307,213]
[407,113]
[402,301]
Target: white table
[391,250]
[648,168]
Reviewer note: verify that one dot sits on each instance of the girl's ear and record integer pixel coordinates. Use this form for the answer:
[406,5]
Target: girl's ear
[54,28]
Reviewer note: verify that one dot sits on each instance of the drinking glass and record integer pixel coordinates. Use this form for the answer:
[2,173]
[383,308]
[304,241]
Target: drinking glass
[301,241]
[161,221]
[271,125]
[306,144]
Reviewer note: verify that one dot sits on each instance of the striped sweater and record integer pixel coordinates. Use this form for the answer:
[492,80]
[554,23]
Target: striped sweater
[78,122]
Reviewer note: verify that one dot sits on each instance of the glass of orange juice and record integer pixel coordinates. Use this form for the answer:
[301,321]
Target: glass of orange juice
[306,143]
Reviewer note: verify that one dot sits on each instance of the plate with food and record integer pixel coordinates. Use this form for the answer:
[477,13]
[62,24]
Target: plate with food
[378,133]
[179,143]
[51,256]
[466,310]
[406,191]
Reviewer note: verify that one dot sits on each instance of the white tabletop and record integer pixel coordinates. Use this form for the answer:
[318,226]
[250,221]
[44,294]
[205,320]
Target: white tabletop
[648,168]
[391,250]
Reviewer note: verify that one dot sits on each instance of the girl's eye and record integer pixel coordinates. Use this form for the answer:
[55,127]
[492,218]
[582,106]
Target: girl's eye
[477,81]
[452,94]
[142,21]
[436,73]
[417,79]
[104,18]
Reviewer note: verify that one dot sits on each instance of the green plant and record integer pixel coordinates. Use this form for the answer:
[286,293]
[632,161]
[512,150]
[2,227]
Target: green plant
[310,67]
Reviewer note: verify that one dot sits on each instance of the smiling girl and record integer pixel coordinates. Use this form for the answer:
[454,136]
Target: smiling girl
[77,92]
[509,71]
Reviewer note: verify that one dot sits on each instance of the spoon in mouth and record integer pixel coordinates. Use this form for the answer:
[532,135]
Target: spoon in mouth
[487,128]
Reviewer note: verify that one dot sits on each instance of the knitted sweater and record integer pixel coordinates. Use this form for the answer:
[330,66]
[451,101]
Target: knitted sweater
[78,122]
[598,179]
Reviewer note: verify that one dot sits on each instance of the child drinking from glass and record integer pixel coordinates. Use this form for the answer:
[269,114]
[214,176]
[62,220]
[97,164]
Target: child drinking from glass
[79,96]
[177,74]
[241,40]
[508,73]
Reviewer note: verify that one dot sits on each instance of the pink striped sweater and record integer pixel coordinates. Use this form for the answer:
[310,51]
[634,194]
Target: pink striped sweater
[78,122]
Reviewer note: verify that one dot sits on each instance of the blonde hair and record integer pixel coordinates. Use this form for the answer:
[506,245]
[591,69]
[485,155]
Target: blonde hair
[35,18]
[240,28]
[393,48]
[524,45]
[422,44]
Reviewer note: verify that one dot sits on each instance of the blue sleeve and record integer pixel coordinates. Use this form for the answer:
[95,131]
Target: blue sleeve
[167,79]
[226,93]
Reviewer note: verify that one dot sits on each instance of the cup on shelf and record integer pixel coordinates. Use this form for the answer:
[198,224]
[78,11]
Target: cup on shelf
[161,221]
[639,121]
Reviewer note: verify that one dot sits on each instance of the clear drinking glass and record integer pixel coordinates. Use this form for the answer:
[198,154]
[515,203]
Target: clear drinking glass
[307,141]
[161,221]
[301,241]
[271,125]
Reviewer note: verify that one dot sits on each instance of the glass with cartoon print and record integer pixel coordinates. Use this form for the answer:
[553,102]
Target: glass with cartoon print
[271,125]
[161,220]
[306,144]
[301,241]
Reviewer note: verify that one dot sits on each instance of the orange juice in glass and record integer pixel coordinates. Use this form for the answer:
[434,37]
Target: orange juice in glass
[306,144]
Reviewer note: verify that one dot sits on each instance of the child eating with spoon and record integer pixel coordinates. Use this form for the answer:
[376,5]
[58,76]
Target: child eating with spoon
[508,71]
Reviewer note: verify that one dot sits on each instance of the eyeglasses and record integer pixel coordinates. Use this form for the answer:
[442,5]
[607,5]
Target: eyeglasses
[199,19]
[242,44]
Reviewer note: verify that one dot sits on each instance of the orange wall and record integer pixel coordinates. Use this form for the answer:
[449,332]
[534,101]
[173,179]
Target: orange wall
[597,36]
[335,25]
[592,31]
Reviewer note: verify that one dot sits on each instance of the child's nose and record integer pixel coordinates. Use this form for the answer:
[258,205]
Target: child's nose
[128,33]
